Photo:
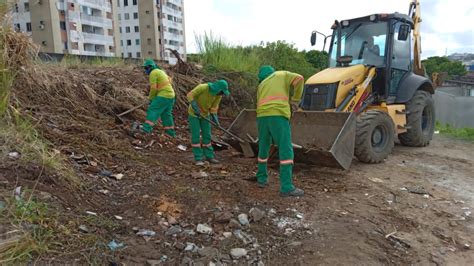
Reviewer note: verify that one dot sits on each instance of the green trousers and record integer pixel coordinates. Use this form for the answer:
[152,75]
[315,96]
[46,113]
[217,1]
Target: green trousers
[200,126]
[276,130]
[160,107]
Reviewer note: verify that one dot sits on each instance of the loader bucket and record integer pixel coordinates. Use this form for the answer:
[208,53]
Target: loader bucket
[319,138]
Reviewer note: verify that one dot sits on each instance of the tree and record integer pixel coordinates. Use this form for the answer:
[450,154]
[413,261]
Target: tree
[443,64]
[318,59]
[284,56]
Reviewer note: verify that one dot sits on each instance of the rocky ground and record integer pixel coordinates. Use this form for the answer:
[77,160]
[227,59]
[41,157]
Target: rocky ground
[413,209]
[143,201]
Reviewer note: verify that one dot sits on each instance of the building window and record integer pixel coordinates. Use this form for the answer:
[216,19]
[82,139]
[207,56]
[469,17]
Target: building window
[127,29]
[121,43]
[137,41]
[130,55]
[62,25]
[134,2]
[16,8]
[120,29]
[135,15]
[159,28]
[149,52]
[148,41]
[28,26]
[126,16]
[65,45]
[27,7]
[119,16]
[17,27]
[137,29]
[125,2]
[139,55]
[129,42]
[148,26]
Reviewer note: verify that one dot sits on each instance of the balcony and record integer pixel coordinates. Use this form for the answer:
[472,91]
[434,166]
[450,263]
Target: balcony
[97,39]
[172,24]
[96,21]
[173,36]
[94,53]
[170,11]
[176,2]
[97,4]
[61,6]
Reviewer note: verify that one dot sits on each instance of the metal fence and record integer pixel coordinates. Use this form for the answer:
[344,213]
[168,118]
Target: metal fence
[453,107]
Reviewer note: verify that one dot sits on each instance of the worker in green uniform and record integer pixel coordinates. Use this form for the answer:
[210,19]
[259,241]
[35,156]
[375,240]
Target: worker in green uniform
[279,93]
[204,102]
[162,99]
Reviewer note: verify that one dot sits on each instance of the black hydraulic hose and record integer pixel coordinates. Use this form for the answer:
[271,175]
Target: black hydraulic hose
[346,101]
[339,39]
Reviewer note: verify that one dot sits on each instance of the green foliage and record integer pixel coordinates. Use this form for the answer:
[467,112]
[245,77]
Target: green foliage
[461,133]
[31,242]
[443,64]
[216,55]
[318,59]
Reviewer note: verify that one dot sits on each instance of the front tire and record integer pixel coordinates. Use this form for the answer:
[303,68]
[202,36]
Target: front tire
[375,136]
[420,120]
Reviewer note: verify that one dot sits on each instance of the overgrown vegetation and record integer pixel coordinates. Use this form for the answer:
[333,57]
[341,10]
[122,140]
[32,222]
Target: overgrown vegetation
[33,233]
[216,55]
[460,133]
[443,64]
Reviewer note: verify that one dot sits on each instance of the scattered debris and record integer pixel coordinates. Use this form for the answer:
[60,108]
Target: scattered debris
[91,213]
[238,253]
[227,234]
[83,229]
[467,213]
[256,214]
[14,155]
[153,262]
[171,220]
[113,245]
[243,219]
[200,174]
[204,229]
[18,193]
[208,252]
[105,173]
[223,217]
[182,148]
[118,176]
[174,230]
[234,224]
[143,232]
[191,247]
[120,218]
[376,180]
[104,191]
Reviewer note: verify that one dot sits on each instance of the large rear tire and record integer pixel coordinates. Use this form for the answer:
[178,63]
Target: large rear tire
[420,120]
[375,136]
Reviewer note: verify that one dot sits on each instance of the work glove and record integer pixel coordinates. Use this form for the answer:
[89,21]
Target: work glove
[215,119]
[196,109]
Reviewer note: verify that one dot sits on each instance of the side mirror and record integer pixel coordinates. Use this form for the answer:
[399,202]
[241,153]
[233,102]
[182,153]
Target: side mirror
[313,38]
[403,32]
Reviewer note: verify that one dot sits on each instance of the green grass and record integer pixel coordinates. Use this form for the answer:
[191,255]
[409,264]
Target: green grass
[74,61]
[218,55]
[460,133]
[35,234]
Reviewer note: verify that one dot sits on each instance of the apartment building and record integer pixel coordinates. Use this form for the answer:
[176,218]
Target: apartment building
[81,27]
[150,28]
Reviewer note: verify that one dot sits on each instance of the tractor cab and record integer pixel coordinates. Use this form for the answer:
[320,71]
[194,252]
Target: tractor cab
[382,41]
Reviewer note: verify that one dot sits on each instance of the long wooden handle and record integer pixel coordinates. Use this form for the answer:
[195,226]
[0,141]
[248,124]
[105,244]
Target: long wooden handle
[131,110]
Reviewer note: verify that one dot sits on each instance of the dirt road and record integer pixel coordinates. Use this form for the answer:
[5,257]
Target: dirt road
[412,209]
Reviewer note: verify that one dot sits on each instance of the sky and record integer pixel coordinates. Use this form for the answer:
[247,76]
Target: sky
[448,25]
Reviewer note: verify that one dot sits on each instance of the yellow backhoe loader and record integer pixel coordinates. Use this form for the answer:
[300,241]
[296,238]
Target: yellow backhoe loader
[374,90]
